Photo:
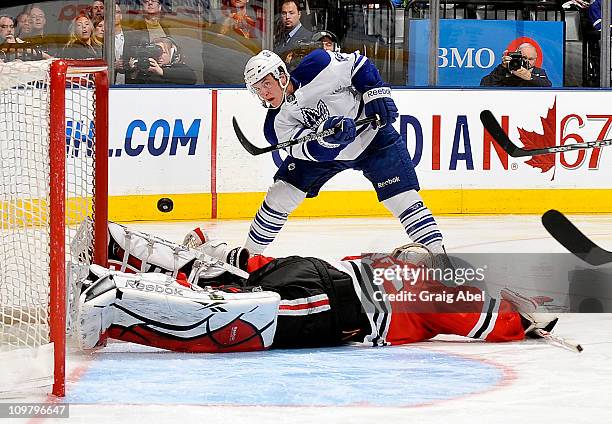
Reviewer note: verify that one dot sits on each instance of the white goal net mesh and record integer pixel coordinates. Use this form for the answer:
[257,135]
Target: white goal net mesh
[25,209]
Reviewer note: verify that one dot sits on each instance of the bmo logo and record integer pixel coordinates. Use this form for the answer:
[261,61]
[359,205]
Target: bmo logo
[483,57]
[470,57]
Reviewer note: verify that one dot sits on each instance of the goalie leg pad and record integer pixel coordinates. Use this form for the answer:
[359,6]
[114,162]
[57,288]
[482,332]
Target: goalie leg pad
[155,310]
[95,314]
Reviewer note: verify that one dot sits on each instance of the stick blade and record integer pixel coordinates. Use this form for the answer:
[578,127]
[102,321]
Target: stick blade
[253,150]
[570,237]
[499,135]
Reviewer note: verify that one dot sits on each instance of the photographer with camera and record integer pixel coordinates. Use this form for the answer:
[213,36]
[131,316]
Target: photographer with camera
[517,70]
[159,62]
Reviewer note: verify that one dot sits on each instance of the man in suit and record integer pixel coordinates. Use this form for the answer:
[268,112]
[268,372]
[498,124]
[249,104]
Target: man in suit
[291,29]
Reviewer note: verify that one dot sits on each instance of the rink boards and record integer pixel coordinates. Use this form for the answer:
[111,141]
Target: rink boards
[179,144]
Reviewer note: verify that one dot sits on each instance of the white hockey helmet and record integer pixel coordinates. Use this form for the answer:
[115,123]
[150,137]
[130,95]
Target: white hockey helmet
[262,64]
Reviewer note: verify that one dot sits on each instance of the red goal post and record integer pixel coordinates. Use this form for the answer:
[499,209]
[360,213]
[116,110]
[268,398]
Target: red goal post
[53,207]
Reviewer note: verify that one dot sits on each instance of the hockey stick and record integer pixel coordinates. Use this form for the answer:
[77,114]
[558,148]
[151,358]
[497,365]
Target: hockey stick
[254,150]
[499,135]
[556,340]
[573,239]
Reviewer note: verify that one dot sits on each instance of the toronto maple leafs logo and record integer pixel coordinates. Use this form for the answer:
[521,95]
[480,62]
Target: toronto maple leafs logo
[315,117]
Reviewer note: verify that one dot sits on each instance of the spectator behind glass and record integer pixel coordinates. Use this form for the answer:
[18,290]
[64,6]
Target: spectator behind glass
[328,40]
[24,27]
[238,17]
[38,35]
[81,44]
[290,30]
[152,13]
[525,76]
[38,21]
[97,10]
[98,31]
[7,30]
[166,68]
[119,47]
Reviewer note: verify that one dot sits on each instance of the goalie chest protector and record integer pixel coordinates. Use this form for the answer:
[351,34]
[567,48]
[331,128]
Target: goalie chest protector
[318,305]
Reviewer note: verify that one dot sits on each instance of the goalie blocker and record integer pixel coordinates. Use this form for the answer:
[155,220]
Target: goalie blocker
[286,303]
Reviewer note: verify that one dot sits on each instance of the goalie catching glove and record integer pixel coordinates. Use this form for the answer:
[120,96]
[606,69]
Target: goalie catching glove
[378,101]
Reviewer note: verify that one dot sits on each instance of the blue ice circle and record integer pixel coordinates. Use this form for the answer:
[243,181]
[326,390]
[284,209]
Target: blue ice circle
[343,376]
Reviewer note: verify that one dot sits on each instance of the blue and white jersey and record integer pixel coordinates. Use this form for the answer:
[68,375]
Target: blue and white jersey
[326,84]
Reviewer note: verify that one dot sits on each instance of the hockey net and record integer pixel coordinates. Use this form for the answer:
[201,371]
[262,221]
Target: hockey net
[53,208]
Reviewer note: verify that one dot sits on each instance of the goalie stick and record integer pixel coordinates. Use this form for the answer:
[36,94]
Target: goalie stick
[559,341]
[573,239]
[254,150]
[499,135]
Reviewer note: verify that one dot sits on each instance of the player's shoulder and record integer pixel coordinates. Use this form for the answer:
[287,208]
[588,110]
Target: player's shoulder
[317,62]
[312,65]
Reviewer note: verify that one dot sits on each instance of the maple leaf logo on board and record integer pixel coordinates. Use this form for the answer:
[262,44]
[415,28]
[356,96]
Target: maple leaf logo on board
[534,140]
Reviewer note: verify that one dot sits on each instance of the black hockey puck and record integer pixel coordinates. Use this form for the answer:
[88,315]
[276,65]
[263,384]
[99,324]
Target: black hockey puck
[165,205]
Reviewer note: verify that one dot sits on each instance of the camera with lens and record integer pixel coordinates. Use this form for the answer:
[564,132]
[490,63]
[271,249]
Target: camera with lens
[144,52]
[517,61]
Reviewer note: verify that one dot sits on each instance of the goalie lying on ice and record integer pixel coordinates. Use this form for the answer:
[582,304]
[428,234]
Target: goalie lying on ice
[194,304]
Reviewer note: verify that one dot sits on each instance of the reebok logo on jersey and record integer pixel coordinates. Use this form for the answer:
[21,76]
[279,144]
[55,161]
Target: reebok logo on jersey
[157,288]
[388,182]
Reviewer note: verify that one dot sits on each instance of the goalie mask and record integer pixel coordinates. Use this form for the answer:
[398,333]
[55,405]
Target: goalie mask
[258,68]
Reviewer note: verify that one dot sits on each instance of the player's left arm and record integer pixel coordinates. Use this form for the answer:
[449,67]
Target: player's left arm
[376,94]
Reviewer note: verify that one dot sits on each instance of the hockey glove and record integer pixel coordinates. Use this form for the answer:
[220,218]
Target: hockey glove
[345,131]
[378,101]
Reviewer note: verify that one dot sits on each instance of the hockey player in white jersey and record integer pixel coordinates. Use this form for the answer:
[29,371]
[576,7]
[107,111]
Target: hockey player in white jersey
[331,89]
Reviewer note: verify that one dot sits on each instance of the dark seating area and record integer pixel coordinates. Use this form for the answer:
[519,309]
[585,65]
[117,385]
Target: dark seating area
[216,37]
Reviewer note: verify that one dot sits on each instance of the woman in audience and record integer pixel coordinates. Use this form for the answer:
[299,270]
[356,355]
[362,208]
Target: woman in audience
[98,32]
[81,44]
